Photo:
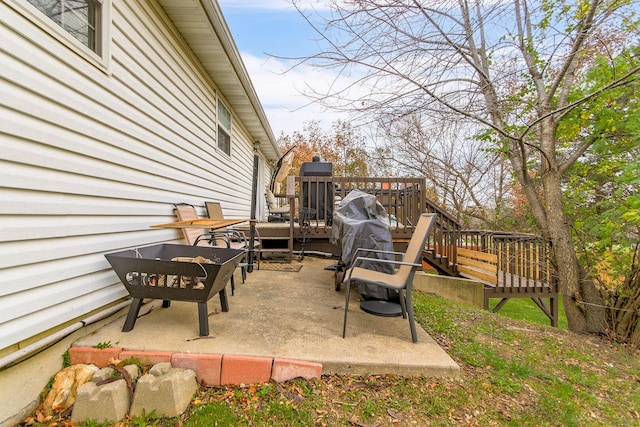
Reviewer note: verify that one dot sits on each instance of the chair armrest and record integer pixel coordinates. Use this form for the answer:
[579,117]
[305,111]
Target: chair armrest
[377,251]
[212,236]
[359,261]
[243,232]
[234,235]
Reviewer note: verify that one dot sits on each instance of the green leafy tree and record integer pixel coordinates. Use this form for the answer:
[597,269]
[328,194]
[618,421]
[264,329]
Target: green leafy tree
[512,67]
[604,192]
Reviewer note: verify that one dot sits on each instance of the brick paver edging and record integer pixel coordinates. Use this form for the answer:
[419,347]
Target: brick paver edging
[210,369]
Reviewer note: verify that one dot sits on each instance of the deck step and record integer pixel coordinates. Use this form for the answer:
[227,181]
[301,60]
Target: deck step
[440,263]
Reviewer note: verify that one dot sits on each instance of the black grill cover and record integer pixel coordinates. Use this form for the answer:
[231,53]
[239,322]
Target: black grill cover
[360,221]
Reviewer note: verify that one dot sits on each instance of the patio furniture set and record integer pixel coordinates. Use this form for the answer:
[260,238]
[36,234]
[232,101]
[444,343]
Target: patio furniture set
[216,247]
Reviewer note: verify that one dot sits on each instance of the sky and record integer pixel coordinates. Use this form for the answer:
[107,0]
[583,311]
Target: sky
[263,29]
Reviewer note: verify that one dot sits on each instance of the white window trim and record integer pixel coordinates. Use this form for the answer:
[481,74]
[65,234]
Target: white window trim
[101,61]
[230,130]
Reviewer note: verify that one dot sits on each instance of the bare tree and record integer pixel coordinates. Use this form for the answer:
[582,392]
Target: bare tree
[510,66]
[466,179]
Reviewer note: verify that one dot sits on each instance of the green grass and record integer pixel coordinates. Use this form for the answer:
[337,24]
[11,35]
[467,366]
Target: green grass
[526,309]
[514,372]
[213,414]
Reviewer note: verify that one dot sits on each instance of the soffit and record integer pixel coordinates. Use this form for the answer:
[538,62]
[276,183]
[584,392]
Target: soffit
[202,26]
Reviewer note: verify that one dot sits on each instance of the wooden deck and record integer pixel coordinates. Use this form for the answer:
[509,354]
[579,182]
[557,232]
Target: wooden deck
[510,265]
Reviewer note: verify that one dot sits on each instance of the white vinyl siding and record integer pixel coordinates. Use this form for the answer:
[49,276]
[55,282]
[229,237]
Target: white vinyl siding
[90,159]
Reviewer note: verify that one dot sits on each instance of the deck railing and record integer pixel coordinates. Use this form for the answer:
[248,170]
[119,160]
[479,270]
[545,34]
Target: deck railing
[516,262]
[510,265]
[403,198]
[522,261]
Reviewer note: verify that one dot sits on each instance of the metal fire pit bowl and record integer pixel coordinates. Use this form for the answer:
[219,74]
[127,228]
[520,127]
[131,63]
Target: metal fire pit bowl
[170,273]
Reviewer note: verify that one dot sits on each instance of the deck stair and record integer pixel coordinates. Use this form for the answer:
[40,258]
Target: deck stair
[441,250]
[440,263]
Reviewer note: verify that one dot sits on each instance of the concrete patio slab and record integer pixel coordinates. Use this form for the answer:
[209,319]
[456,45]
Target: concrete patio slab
[291,315]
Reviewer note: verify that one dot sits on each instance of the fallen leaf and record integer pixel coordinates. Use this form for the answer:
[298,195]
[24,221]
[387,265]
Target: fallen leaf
[199,338]
[355,422]
[356,386]
[115,362]
[393,414]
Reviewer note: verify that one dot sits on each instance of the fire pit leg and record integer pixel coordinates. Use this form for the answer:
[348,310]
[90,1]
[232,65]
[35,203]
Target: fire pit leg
[132,315]
[224,303]
[203,318]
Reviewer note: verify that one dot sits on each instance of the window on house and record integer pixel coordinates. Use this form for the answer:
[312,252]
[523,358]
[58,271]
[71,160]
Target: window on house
[80,18]
[224,128]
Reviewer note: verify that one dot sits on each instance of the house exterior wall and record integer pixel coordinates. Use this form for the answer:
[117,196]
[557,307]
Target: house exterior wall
[93,153]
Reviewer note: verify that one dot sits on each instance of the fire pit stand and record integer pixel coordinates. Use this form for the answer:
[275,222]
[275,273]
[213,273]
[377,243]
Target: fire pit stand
[175,273]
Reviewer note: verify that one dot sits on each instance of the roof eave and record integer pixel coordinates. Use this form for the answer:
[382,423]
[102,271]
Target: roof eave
[237,89]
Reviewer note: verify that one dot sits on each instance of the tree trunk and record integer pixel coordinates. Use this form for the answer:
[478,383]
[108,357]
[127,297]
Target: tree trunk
[583,302]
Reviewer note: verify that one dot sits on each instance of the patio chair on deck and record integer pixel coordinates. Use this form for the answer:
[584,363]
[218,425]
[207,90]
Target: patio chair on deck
[237,238]
[402,278]
[199,237]
[276,213]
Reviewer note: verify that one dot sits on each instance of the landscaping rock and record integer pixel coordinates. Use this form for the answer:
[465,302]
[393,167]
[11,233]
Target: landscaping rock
[65,387]
[107,403]
[133,371]
[160,369]
[164,391]
[103,374]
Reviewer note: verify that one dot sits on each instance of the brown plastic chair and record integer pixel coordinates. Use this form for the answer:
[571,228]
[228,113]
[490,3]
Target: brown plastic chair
[402,278]
[199,237]
[236,236]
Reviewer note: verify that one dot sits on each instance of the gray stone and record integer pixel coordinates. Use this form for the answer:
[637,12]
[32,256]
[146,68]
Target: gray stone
[166,394]
[107,403]
[133,371]
[103,374]
[160,369]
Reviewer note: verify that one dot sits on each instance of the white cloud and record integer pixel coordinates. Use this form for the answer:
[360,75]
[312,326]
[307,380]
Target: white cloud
[273,4]
[281,93]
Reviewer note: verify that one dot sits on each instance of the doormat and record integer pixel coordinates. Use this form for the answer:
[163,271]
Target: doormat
[279,266]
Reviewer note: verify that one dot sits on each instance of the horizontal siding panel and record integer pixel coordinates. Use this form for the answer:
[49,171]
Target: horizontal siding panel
[156,169]
[146,145]
[90,160]
[26,252]
[153,42]
[54,294]
[76,100]
[153,92]
[35,275]
[20,202]
[68,183]
[24,327]
[15,228]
